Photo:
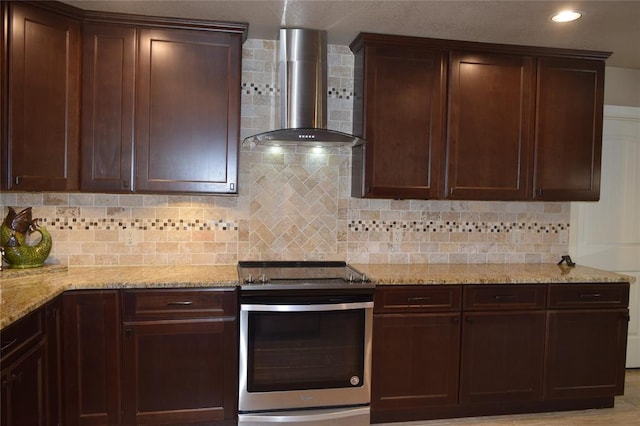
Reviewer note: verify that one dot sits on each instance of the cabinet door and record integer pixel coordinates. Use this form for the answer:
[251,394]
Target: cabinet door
[415,361]
[490,124]
[24,389]
[180,372]
[502,355]
[108,84]
[43,103]
[586,352]
[188,111]
[568,145]
[402,118]
[91,357]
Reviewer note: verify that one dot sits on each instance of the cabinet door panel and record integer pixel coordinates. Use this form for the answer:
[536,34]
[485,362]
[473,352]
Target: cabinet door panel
[490,116]
[568,146]
[179,372]
[44,90]
[502,356]
[187,124]
[586,353]
[404,100]
[91,357]
[415,360]
[24,389]
[107,107]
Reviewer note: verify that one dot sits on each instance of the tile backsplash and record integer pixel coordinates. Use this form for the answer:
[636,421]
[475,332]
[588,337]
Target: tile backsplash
[292,204]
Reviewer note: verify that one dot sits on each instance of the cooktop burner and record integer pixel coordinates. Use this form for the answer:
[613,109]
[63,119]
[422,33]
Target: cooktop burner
[299,274]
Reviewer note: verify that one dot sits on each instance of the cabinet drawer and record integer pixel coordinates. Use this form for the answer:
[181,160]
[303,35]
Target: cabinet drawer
[180,303]
[504,297]
[22,334]
[417,298]
[614,295]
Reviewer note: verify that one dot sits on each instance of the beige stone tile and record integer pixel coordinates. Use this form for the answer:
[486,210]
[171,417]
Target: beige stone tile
[130,259]
[78,260]
[28,199]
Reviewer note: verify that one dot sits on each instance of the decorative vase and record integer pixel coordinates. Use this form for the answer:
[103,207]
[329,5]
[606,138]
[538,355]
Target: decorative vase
[15,231]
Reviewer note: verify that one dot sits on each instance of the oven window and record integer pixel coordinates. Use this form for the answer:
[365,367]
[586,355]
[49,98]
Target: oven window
[305,350]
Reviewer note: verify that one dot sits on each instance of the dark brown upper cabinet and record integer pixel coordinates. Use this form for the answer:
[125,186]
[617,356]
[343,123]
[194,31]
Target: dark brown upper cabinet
[159,110]
[161,106]
[491,101]
[108,96]
[568,134]
[400,111]
[522,123]
[188,111]
[40,142]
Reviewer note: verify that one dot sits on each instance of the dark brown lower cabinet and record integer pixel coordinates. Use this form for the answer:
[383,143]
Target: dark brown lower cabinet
[23,389]
[91,327]
[23,372]
[502,356]
[586,341]
[416,347]
[180,357]
[586,354]
[523,348]
[406,368]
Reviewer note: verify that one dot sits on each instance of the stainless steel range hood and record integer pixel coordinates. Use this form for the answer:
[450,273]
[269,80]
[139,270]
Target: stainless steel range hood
[303,88]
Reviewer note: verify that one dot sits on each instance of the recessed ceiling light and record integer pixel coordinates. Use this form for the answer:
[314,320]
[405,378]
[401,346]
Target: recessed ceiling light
[566,16]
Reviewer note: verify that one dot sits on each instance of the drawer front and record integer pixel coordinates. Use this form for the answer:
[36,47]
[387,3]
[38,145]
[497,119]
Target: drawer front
[22,334]
[179,303]
[417,298]
[504,297]
[614,295]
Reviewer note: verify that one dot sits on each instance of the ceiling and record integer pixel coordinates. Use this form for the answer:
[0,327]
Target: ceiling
[606,25]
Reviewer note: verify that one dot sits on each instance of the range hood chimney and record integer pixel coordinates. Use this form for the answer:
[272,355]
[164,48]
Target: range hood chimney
[303,88]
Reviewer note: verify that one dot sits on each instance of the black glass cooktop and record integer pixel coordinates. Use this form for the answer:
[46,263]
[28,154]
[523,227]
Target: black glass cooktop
[299,274]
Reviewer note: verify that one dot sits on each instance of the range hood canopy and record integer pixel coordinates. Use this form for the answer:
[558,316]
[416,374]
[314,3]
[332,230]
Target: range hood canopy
[303,88]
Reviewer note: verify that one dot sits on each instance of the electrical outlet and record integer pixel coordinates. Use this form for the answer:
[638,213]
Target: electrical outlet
[517,236]
[130,237]
[397,236]
[563,237]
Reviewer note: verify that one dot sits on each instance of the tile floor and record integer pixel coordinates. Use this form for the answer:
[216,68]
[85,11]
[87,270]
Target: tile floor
[625,412]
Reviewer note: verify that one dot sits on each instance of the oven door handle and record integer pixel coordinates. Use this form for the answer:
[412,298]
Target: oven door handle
[306,308]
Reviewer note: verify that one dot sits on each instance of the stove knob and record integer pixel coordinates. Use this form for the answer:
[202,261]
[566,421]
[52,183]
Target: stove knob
[249,279]
[351,279]
[365,279]
[264,279]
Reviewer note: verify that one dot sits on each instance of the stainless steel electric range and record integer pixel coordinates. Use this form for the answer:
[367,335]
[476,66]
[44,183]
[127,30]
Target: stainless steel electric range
[305,344]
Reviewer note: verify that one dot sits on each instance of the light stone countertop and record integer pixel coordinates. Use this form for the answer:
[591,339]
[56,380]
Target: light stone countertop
[23,291]
[518,273]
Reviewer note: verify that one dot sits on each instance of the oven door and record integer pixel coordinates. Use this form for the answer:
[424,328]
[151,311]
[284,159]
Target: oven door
[304,355]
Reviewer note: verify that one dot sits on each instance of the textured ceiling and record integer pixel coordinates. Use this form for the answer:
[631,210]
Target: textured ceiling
[606,25]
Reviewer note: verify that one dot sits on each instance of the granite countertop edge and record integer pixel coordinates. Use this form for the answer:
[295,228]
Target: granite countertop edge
[24,292]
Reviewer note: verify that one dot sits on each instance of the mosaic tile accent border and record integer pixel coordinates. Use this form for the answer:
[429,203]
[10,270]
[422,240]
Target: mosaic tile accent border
[106,224]
[259,89]
[270,90]
[453,226]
